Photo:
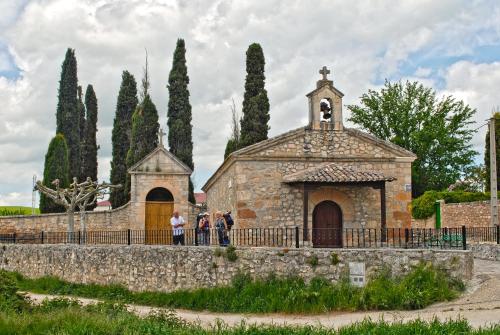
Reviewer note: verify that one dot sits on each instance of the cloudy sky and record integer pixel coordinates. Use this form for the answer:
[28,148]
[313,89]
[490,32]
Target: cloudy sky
[451,45]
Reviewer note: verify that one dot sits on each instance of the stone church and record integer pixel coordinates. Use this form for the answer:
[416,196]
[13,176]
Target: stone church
[322,175]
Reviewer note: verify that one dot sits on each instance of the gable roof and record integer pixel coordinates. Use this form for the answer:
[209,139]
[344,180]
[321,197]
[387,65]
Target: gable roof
[165,152]
[335,173]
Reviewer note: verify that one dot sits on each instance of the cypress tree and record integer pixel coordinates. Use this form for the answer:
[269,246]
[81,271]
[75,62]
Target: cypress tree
[56,167]
[487,153]
[254,124]
[81,114]
[89,151]
[145,128]
[179,112]
[68,114]
[122,132]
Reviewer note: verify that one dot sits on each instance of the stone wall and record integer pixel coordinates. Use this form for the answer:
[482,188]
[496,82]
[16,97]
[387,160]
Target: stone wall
[485,251]
[164,268]
[117,219]
[469,214]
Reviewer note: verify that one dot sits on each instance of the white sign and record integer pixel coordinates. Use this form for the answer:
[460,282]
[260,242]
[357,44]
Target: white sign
[357,274]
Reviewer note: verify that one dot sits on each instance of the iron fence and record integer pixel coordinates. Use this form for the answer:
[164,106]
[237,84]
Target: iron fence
[289,237]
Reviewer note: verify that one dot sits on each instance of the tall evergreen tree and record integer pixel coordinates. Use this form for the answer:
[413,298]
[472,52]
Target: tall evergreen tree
[89,150]
[122,132]
[68,114]
[254,124]
[81,114]
[487,153]
[145,128]
[56,167]
[179,112]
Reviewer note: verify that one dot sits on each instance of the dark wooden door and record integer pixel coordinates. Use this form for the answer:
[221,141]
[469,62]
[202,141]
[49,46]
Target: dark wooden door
[327,225]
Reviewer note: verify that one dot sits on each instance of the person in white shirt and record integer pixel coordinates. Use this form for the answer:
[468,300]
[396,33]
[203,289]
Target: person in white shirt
[177,223]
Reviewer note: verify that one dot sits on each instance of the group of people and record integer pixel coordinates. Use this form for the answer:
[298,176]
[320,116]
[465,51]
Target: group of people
[223,224]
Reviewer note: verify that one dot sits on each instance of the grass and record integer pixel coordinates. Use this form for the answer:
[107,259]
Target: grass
[62,316]
[423,286]
[16,210]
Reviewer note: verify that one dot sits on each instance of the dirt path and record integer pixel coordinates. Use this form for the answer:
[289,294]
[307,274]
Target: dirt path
[480,305]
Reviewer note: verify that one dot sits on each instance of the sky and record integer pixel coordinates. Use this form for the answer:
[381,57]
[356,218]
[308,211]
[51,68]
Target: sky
[450,45]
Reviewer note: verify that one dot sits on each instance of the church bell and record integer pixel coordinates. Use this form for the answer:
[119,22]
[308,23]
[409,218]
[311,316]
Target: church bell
[327,111]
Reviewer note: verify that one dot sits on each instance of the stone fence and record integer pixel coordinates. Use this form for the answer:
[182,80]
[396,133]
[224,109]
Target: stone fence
[455,215]
[116,219]
[489,252]
[167,268]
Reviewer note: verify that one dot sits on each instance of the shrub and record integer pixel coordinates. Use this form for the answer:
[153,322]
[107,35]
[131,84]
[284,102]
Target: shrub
[231,254]
[313,261]
[218,252]
[10,299]
[334,258]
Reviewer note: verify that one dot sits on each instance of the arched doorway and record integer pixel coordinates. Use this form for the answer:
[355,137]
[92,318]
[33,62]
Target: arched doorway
[159,209]
[327,225]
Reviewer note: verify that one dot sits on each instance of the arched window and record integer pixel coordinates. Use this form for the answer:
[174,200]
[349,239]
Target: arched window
[160,194]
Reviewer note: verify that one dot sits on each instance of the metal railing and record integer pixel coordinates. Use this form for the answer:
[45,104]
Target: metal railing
[289,237]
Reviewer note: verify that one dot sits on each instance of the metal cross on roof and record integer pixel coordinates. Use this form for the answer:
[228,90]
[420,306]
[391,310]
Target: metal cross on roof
[324,71]
[161,133]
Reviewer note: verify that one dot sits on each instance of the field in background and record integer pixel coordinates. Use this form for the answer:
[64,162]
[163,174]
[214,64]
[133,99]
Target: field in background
[16,210]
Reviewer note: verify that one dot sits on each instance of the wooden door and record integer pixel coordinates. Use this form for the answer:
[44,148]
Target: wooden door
[157,225]
[327,225]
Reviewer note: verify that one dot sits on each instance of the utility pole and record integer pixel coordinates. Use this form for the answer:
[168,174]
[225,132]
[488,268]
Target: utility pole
[493,174]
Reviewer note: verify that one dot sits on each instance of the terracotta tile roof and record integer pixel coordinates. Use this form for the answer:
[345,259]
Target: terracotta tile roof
[104,203]
[200,197]
[335,173]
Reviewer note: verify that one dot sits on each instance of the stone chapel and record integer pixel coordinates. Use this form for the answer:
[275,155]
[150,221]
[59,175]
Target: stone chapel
[322,175]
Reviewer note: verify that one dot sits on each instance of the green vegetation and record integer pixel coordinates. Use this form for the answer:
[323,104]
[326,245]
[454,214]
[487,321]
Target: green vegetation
[313,261]
[122,128]
[254,124]
[16,210]
[68,112]
[145,128]
[56,167]
[437,130]
[179,113]
[63,316]
[423,206]
[89,142]
[423,286]
[334,258]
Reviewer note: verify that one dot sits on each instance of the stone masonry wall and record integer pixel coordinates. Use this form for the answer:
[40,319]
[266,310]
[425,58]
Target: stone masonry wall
[469,214]
[117,219]
[485,251]
[163,268]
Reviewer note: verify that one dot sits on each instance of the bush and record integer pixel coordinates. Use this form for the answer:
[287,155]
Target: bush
[231,254]
[423,206]
[10,299]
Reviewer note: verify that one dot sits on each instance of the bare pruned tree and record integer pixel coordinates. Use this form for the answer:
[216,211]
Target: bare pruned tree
[235,123]
[79,195]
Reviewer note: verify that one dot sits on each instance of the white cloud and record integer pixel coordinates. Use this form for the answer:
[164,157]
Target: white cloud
[360,41]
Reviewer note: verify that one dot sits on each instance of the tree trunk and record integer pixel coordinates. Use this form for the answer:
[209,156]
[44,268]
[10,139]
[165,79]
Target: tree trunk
[71,226]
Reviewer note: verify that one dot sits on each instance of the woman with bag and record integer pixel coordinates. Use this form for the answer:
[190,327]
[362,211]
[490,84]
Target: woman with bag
[221,226]
[204,228]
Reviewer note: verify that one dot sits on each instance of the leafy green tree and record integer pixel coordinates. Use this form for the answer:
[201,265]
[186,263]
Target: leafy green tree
[56,167]
[145,128]
[487,153]
[254,124]
[89,151]
[436,130]
[68,113]
[122,132]
[179,112]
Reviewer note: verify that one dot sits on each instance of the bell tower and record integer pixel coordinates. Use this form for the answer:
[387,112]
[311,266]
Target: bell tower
[325,104]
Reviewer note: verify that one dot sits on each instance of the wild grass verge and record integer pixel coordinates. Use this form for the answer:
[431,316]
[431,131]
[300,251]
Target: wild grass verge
[62,316]
[422,286]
